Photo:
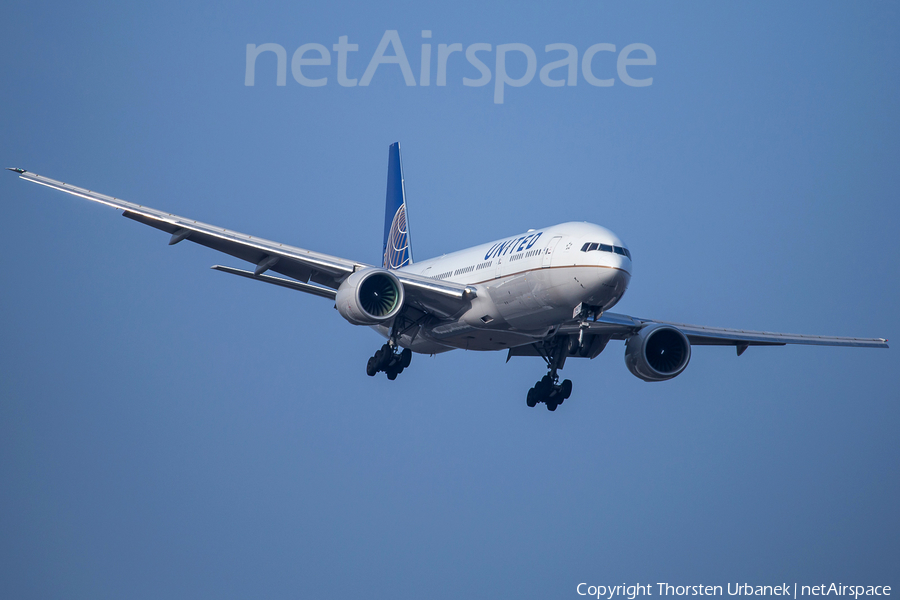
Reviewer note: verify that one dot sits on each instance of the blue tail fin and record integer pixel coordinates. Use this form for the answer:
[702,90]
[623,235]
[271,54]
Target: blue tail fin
[397,251]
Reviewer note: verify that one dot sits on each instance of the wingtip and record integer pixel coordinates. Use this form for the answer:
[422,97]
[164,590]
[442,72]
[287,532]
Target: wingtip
[16,170]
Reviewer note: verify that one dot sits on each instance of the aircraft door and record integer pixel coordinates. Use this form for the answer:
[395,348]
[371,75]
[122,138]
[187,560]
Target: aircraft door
[548,251]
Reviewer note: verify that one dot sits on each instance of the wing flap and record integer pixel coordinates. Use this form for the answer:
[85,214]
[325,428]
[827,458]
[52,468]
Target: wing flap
[294,285]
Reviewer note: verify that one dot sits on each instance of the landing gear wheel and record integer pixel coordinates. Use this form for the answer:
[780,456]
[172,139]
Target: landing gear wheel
[384,357]
[405,358]
[531,399]
[551,405]
[386,361]
[544,386]
[565,389]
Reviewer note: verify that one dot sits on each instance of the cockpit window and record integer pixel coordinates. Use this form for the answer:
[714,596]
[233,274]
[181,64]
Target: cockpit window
[591,246]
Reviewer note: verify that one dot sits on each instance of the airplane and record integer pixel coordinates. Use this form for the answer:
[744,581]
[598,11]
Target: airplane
[542,293]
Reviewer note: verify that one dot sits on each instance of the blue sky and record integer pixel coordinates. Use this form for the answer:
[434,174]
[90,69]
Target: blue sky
[170,431]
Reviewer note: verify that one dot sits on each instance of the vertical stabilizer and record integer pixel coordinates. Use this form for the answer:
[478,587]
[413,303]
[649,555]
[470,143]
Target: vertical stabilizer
[397,251]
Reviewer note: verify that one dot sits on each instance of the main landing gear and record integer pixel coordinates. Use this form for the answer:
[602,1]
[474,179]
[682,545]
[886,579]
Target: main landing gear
[548,390]
[390,362]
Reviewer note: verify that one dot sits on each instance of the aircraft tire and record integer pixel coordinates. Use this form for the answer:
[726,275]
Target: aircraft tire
[383,357]
[544,386]
[531,399]
[391,374]
[405,357]
[565,389]
[551,405]
[371,370]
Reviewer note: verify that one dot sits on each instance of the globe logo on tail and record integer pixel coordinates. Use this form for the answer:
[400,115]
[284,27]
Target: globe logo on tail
[396,253]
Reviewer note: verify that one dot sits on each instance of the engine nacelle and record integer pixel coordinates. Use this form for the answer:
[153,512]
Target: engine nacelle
[370,297]
[657,353]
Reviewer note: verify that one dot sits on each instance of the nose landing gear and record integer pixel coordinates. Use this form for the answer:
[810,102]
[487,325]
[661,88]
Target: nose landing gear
[389,362]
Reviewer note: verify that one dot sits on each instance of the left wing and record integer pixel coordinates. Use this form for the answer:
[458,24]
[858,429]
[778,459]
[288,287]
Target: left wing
[439,298]
[620,327]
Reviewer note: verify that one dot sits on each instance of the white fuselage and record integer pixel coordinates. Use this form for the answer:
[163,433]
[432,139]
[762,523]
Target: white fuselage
[526,285]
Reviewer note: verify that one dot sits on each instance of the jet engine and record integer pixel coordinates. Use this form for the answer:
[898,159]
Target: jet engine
[657,353]
[370,297]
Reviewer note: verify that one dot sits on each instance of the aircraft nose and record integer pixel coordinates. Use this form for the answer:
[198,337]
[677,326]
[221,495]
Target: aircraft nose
[625,279]
[615,278]
[623,274]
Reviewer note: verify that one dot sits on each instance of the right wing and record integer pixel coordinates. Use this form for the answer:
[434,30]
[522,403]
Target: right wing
[439,298]
[621,327]
[700,335]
